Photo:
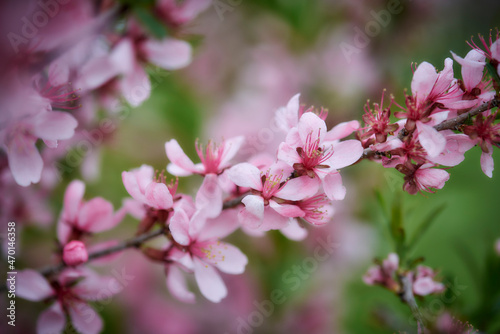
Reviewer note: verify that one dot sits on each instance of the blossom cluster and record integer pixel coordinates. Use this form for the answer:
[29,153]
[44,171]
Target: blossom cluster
[419,145]
[58,73]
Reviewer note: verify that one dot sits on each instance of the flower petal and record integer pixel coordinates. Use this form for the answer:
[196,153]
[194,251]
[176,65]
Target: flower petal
[169,53]
[231,147]
[209,196]
[341,130]
[176,284]
[25,162]
[333,187]
[430,139]
[345,153]
[51,320]
[299,188]
[84,318]
[311,124]
[209,281]
[31,285]
[246,175]
[487,163]
[184,165]
[294,231]
[53,125]
[96,215]
[158,196]
[179,227]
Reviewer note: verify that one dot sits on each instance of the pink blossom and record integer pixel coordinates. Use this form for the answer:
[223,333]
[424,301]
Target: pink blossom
[424,283]
[146,188]
[79,217]
[311,151]
[271,203]
[201,252]
[71,291]
[75,253]
[384,274]
[486,134]
[214,158]
[422,177]
[176,13]
[377,123]
[28,118]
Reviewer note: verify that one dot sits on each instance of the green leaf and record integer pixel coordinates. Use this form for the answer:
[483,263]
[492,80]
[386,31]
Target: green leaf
[151,23]
[424,225]
[381,202]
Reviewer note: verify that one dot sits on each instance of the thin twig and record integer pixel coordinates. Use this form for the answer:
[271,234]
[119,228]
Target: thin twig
[408,298]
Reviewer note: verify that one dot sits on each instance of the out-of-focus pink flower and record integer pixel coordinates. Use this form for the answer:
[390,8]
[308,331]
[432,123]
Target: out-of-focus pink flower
[200,252]
[384,274]
[75,253]
[269,206]
[311,151]
[485,133]
[214,159]
[424,284]
[27,118]
[80,217]
[497,247]
[71,291]
[176,13]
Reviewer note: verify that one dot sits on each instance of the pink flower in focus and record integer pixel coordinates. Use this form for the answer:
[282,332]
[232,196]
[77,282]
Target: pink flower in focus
[79,217]
[422,177]
[145,188]
[75,253]
[71,291]
[272,202]
[311,151]
[199,251]
[214,158]
[485,133]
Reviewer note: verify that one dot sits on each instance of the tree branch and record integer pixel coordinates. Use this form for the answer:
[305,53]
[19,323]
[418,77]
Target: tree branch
[407,297]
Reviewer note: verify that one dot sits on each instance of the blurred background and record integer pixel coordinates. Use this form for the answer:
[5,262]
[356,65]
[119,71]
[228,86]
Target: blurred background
[251,57]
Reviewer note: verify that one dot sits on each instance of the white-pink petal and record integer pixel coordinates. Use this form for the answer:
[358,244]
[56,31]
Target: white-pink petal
[25,162]
[31,285]
[184,165]
[53,125]
[51,321]
[430,139]
[345,153]
[209,281]
[333,187]
[158,196]
[299,188]
[246,175]
[176,284]
[311,124]
[179,227]
[487,163]
[169,53]
[341,130]
[231,147]
[96,215]
[209,196]
[84,318]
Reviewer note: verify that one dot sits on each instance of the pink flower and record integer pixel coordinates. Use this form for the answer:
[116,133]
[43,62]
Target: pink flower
[214,159]
[71,291]
[28,118]
[384,274]
[377,123]
[145,188]
[485,133]
[79,217]
[424,283]
[272,201]
[176,13]
[318,209]
[422,177]
[75,253]
[311,151]
[200,252]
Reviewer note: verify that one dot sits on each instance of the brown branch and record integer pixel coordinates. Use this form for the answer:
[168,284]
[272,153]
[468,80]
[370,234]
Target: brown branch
[446,125]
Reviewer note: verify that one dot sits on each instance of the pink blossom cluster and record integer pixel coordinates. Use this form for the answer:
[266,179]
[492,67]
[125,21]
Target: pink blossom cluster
[385,275]
[59,71]
[415,145]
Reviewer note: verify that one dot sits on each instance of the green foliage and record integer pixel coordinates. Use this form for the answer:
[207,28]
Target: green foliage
[150,22]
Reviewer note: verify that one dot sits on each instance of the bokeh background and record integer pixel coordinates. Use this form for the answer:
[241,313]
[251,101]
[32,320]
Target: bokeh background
[251,57]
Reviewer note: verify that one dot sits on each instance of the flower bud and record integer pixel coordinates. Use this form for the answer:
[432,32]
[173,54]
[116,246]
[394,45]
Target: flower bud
[75,253]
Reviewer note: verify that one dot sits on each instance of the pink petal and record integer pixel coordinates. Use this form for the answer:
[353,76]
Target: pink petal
[287,117]
[231,147]
[58,73]
[273,220]
[423,80]
[288,154]
[135,86]
[221,226]
[84,318]
[179,227]
[294,231]
[137,180]
[64,230]
[487,163]
[96,73]
[73,199]
[255,205]
[445,77]
[333,187]
[31,285]
[227,258]
[431,177]
[246,175]
[299,188]
[25,162]
[209,196]
[94,287]
[96,215]
[456,146]
[176,284]
[123,57]
[345,153]
[341,130]
[158,196]
[430,139]
[423,286]
[179,159]
[170,54]
[472,68]
[51,321]
[54,125]
[311,124]
[286,210]
[209,281]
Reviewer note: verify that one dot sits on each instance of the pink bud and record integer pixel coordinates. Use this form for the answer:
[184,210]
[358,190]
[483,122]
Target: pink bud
[75,253]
